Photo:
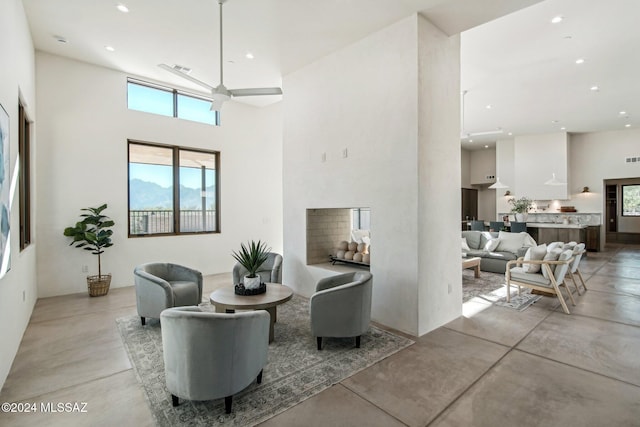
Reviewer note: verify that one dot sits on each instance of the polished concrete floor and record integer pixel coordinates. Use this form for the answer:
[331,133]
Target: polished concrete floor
[493,366]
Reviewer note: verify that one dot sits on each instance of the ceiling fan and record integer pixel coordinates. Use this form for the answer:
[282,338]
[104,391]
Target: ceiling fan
[464,134]
[220,93]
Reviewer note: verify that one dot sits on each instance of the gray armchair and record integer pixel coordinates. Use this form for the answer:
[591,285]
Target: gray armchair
[341,306]
[270,271]
[164,285]
[211,355]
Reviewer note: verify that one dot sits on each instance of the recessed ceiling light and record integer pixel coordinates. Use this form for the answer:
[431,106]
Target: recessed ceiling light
[109,48]
[557,19]
[471,140]
[595,88]
[554,121]
[510,133]
[563,128]
[486,146]
[489,106]
[580,61]
[628,125]
[623,113]
[249,55]
[60,39]
[122,8]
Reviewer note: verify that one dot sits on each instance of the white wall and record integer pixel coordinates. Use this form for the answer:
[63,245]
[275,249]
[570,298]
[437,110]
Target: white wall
[364,98]
[465,163]
[505,170]
[82,162]
[439,279]
[536,158]
[599,156]
[483,164]
[18,291]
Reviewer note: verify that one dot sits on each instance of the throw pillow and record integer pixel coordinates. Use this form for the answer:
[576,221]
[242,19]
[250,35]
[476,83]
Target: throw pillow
[465,246]
[569,245]
[510,242]
[554,245]
[491,245]
[561,269]
[552,255]
[536,253]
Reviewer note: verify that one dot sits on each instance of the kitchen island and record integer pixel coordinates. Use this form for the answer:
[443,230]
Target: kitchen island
[551,232]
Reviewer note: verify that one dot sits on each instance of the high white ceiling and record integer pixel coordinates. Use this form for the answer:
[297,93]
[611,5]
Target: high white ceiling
[525,67]
[521,64]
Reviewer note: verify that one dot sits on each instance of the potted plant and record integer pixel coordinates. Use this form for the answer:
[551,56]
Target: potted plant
[92,234]
[251,257]
[521,207]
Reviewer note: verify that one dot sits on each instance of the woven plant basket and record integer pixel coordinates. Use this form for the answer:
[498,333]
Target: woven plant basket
[98,285]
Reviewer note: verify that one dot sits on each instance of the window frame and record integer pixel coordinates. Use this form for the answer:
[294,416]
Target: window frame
[24,188]
[174,92]
[622,200]
[175,159]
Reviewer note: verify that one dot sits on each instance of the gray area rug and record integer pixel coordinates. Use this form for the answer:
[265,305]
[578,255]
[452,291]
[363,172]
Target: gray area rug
[490,287]
[294,372]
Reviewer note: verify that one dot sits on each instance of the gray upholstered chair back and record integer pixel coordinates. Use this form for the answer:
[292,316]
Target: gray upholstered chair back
[212,355]
[496,226]
[518,227]
[270,271]
[162,285]
[578,251]
[477,225]
[341,306]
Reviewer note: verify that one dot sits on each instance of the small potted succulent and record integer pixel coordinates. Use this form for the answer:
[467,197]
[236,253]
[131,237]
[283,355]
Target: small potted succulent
[251,257]
[92,234]
[521,207]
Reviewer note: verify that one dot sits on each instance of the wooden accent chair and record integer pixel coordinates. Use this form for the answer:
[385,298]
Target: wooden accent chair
[548,279]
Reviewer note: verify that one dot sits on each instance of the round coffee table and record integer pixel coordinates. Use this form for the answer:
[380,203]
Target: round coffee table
[225,299]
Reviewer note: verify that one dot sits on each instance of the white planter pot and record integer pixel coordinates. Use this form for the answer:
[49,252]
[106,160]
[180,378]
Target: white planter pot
[251,282]
[521,217]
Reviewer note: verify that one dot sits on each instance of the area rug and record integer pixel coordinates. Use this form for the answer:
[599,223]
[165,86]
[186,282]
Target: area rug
[295,370]
[490,287]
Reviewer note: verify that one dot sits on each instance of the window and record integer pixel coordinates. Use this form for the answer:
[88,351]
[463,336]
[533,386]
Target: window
[169,102]
[631,200]
[172,190]
[24,152]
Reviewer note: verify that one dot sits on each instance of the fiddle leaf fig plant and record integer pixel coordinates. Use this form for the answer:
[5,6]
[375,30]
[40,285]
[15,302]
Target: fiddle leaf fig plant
[92,233]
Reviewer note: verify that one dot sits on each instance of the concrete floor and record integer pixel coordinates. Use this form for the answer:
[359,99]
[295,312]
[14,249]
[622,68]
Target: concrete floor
[493,366]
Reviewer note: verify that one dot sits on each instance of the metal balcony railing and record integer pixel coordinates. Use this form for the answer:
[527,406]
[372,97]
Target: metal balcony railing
[143,222]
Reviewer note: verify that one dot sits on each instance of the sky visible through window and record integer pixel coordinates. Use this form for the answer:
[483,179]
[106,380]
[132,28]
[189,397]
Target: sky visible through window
[150,100]
[159,101]
[163,176]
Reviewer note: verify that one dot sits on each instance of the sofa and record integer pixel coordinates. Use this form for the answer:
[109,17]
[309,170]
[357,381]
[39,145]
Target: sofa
[495,249]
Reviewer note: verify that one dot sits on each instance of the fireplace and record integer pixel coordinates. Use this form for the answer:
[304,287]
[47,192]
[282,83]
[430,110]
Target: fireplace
[327,228]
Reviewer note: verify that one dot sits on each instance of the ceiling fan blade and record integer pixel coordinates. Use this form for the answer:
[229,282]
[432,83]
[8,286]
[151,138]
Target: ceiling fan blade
[185,76]
[256,91]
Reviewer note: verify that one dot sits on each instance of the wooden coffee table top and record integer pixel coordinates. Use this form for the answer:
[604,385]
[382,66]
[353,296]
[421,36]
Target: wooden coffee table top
[470,262]
[225,298]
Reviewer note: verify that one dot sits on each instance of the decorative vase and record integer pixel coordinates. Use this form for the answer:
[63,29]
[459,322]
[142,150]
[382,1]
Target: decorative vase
[522,217]
[252,282]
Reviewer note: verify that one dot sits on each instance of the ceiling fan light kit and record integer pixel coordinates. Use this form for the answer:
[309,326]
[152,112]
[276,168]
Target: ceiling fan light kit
[220,94]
